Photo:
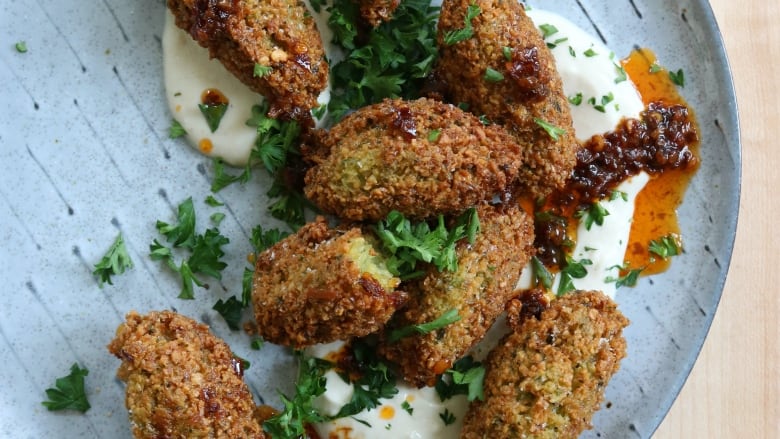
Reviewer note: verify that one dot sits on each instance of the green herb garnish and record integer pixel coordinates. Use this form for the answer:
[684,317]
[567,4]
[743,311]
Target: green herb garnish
[449,317]
[456,36]
[114,262]
[553,131]
[213,114]
[68,392]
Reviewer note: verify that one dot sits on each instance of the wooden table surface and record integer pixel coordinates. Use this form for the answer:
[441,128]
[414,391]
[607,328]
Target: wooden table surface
[734,389]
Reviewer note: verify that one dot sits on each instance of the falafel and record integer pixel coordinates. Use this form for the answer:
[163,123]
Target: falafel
[524,93]
[182,381]
[374,12]
[422,158]
[546,379]
[279,36]
[322,285]
[485,280]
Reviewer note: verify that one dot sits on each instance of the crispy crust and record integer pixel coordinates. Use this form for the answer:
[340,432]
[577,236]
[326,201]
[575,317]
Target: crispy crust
[547,378]
[531,87]
[374,12]
[380,158]
[479,289]
[308,290]
[280,34]
[182,381]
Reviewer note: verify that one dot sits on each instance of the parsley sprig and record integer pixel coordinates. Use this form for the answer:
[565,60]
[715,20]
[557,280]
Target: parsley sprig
[275,148]
[409,243]
[68,391]
[114,262]
[299,410]
[205,250]
[464,378]
[665,246]
[377,381]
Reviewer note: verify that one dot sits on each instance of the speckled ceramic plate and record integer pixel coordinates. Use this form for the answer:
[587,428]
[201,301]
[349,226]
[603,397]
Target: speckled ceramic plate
[84,154]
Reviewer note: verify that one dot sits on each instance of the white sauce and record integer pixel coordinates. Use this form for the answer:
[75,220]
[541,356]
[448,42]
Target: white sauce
[188,72]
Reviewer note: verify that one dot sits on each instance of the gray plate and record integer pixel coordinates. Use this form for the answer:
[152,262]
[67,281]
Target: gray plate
[84,154]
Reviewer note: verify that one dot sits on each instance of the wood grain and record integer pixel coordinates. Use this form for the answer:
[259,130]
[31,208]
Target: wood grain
[734,390]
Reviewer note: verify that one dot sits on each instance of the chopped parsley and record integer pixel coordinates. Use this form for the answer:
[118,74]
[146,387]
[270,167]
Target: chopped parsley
[678,77]
[407,243]
[377,381]
[299,410]
[572,270]
[114,262]
[572,52]
[456,36]
[621,74]
[176,130]
[447,417]
[213,114]
[665,246]
[275,147]
[205,251]
[576,99]
[464,378]
[434,135]
[493,75]
[542,275]
[655,68]
[507,51]
[261,70]
[615,194]
[553,131]
[21,46]
[595,214]
[590,53]
[231,311]
[216,218]
[213,202]
[547,30]
[407,407]
[389,61]
[449,317]
[257,343]
[629,279]
[262,239]
[68,392]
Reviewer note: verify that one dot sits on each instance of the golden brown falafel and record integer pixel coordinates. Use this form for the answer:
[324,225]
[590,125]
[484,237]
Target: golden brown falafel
[422,158]
[322,285]
[523,92]
[546,379]
[485,280]
[374,12]
[182,381]
[277,34]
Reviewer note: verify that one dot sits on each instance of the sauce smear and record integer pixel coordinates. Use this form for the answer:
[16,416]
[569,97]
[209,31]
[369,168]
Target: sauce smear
[655,214]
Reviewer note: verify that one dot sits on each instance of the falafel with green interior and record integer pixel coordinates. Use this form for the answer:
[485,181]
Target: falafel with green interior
[547,377]
[422,158]
[321,285]
[483,283]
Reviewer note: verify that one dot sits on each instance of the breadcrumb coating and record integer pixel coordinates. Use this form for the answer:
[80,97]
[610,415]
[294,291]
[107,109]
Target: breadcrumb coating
[421,157]
[507,41]
[322,285]
[546,379]
[182,381]
[276,34]
[485,280]
[374,12]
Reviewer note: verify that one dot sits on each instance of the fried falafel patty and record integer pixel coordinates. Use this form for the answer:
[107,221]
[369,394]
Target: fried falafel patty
[182,381]
[524,92]
[546,379]
[374,12]
[421,157]
[485,280]
[322,285]
[279,35]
